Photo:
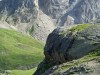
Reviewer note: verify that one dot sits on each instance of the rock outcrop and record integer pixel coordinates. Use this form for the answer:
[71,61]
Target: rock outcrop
[65,45]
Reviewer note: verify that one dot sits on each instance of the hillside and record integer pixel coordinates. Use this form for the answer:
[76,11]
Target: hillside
[18,51]
[69,50]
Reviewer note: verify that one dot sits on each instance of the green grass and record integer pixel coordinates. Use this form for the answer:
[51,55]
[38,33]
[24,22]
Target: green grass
[18,51]
[78,28]
[22,72]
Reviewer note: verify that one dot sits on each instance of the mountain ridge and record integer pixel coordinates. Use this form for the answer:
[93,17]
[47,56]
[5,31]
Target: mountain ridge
[25,14]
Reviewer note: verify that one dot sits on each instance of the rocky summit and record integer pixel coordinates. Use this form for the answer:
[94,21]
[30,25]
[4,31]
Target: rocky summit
[68,44]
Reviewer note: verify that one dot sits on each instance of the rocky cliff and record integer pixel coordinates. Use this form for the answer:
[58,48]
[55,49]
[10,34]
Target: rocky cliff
[68,12]
[67,44]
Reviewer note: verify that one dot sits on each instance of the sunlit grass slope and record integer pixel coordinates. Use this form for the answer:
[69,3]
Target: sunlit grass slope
[23,72]
[18,51]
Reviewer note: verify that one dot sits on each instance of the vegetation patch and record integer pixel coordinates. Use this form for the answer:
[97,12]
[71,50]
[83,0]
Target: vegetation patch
[22,72]
[31,29]
[18,51]
[78,28]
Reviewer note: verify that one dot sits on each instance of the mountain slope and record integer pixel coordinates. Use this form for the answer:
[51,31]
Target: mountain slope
[67,44]
[18,51]
[25,15]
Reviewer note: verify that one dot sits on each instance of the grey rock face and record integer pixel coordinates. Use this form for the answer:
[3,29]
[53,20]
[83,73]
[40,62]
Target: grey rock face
[20,10]
[54,8]
[64,45]
[80,11]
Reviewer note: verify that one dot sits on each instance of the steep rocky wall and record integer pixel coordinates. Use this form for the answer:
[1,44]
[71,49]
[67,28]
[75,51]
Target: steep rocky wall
[86,11]
[69,12]
[20,10]
[54,8]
